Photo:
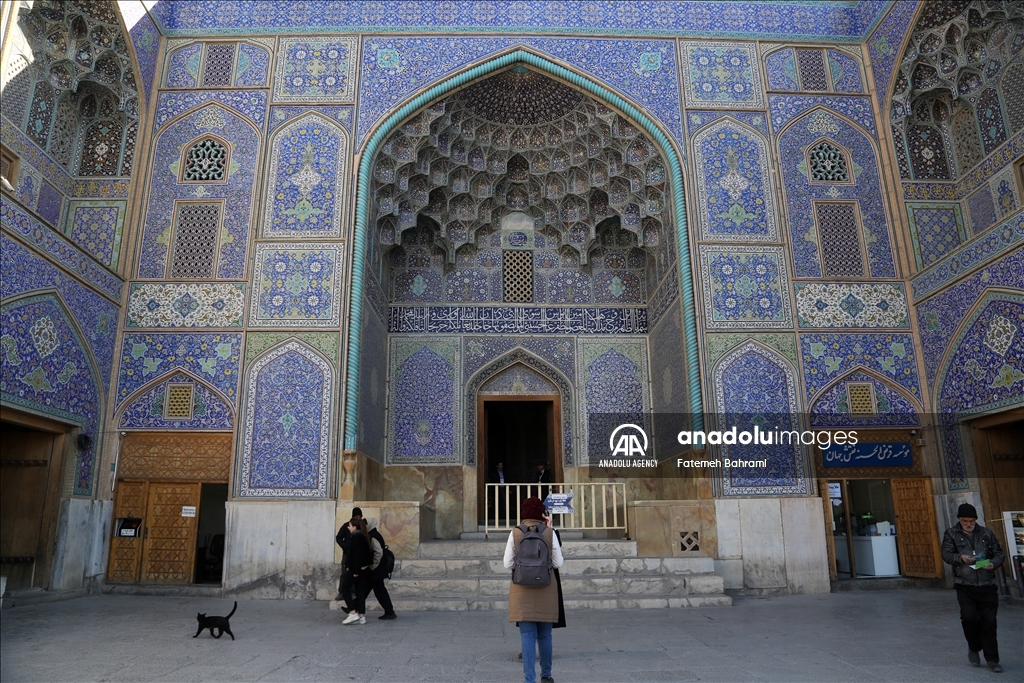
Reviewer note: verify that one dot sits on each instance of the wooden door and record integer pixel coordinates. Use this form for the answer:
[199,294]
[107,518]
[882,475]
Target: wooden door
[24,472]
[917,535]
[169,546]
[126,553]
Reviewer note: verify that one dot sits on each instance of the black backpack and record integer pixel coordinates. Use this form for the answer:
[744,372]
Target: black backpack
[387,564]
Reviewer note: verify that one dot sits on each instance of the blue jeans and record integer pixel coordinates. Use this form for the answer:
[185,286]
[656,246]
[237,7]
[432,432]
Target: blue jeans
[531,633]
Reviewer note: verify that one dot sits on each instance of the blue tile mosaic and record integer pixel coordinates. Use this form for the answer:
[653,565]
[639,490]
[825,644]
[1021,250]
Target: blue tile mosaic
[96,316]
[745,287]
[183,66]
[253,66]
[518,380]
[837,21]
[981,211]
[893,408]
[558,352]
[280,115]
[753,385]
[936,229]
[785,108]
[393,69]
[780,70]
[424,431]
[614,379]
[209,409]
[316,70]
[718,75]
[286,443]
[826,357]
[306,181]
[845,72]
[97,226]
[373,375]
[880,304]
[664,296]
[45,368]
[884,46]
[516,320]
[297,285]
[733,183]
[251,104]
[145,37]
[212,357]
[800,192]
[237,191]
[50,203]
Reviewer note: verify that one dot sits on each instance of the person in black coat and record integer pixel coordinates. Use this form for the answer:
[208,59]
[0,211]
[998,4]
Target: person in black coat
[342,540]
[358,559]
[380,591]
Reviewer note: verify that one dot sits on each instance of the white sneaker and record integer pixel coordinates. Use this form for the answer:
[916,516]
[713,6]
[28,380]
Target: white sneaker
[351,619]
[362,620]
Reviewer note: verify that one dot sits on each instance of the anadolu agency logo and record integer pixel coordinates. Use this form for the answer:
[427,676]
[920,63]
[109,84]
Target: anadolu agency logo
[628,445]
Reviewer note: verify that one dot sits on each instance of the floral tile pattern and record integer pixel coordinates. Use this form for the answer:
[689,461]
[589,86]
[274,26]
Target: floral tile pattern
[316,70]
[614,382]
[373,390]
[755,386]
[424,431]
[97,226]
[286,445]
[297,285]
[733,187]
[308,172]
[45,368]
[745,287]
[212,357]
[936,229]
[825,357]
[894,409]
[50,203]
[981,210]
[198,304]
[718,75]
[209,409]
[851,305]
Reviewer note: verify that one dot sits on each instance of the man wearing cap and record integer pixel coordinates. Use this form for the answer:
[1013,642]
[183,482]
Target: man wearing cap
[975,554]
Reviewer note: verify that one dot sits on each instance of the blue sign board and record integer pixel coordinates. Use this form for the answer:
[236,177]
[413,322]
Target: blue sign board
[878,454]
[559,504]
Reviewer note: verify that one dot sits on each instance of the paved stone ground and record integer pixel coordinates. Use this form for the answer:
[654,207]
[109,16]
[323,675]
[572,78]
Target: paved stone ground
[911,635]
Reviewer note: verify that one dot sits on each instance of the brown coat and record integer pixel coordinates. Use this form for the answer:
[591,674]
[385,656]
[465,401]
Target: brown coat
[533,604]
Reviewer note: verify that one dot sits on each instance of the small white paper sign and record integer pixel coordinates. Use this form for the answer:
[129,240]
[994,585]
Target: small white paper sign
[835,489]
[188,510]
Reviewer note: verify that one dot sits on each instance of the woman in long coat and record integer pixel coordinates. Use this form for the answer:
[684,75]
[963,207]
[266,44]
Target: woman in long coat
[534,609]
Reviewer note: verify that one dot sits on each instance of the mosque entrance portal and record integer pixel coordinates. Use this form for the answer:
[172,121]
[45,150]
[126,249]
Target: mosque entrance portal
[520,435]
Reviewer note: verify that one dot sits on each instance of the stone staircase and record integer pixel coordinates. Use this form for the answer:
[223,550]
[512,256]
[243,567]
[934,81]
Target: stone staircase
[468,575]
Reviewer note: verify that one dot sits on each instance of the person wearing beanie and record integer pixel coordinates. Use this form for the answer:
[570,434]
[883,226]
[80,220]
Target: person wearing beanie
[975,555]
[534,609]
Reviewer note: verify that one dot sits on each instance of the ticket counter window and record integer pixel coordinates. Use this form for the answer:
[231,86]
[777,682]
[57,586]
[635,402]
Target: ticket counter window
[863,528]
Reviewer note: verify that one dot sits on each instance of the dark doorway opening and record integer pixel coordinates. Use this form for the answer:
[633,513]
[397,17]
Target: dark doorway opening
[520,434]
[210,536]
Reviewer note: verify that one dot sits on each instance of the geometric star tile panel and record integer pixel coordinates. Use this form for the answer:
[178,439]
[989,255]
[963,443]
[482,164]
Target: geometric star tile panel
[755,386]
[936,229]
[800,193]
[315,70]
[24,271]
[827,357]
[44,367]
[745,287]
[851,305]
[424,430]
[286,447]
[236,188]
[97,226]
[297,285]
[209,409]
[194,304]
[732,183]
[307,179]
[393,69]
[722,75]
[49,205]
[893,408]
[213,357]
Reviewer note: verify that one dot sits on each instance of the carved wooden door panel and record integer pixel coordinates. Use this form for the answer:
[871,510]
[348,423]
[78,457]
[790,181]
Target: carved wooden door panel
[169,549]
[917,535]
[125,553]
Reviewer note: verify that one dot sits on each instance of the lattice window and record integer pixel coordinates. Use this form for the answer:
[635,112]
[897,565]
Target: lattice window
[179,402]
[689,541]
[1012,88]
[518,276]
[827,164]
[839,239]
[813,74]
[205,161]
[195,243]
[220,64]
[861,398]
[966,141]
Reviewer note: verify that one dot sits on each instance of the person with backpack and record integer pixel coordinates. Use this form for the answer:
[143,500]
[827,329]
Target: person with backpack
[358,559]
[532,553]
[383,565]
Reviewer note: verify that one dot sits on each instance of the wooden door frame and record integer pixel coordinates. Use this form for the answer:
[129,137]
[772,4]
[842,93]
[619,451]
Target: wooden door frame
[984,466]
[554,419]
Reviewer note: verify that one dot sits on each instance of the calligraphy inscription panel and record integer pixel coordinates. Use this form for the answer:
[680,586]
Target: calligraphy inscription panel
[516,320]
[866,454]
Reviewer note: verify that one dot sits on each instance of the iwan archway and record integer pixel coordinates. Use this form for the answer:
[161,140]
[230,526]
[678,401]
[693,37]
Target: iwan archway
[366,224]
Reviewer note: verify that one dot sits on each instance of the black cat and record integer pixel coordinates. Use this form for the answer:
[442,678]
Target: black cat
[219,623]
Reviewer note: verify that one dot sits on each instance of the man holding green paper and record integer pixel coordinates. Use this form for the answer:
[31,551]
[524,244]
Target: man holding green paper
[975,554]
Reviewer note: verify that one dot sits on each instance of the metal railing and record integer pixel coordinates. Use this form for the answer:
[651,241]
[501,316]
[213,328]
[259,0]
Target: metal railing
[598,505]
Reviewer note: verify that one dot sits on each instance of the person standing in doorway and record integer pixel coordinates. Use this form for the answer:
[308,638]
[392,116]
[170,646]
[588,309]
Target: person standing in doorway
[534,608]
[496,501]
[342,540]
[976,555]
[543,476]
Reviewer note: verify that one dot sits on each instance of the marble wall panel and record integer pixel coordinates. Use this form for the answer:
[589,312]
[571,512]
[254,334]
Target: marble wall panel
[287,438]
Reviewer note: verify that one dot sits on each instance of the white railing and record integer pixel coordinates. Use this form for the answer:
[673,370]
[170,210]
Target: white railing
[598,505]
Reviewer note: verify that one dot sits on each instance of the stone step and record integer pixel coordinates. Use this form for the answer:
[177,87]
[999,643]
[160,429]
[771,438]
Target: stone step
[495,549]
[481,535]
[578,602]
[615,585]
[574,566]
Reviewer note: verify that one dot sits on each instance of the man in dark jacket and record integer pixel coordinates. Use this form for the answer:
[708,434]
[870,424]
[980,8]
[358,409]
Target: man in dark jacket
[342,540]
[976,555]
[380,591]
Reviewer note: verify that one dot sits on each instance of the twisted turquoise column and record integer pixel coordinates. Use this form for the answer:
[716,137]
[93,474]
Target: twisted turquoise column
[362,210]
